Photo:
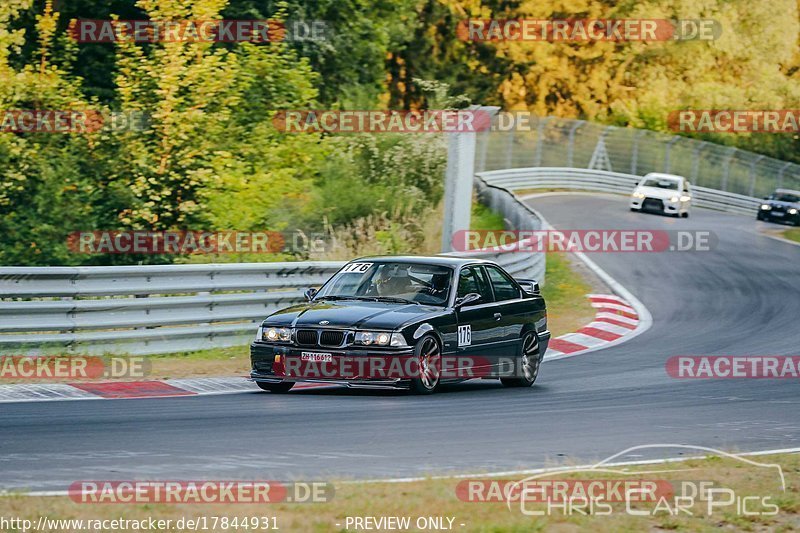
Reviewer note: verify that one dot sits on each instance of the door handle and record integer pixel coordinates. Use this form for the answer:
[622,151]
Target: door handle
[498,316]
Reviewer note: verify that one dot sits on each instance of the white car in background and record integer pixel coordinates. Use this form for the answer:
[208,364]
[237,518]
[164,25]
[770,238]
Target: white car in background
[663,193]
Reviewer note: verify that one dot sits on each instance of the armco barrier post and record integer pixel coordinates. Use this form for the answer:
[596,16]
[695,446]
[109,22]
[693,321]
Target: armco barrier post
[458,180]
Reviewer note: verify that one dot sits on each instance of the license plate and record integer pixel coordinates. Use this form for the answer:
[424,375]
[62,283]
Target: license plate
[777,214]
[316,356]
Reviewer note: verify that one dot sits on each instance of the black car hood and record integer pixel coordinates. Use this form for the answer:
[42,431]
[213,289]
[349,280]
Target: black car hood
[352,314]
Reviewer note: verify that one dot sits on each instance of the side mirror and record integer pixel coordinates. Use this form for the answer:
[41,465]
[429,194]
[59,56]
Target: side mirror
[310,293]
[766,198]
[530,286]
[467,299]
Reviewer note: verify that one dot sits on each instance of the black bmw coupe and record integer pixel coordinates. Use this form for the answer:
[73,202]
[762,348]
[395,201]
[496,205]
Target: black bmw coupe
[406,322]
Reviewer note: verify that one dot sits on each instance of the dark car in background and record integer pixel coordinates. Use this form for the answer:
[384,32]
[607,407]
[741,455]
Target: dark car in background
[781,206]
[406,322]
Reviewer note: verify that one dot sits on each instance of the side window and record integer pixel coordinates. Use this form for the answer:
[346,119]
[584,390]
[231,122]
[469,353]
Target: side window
[504,288]
[471,280]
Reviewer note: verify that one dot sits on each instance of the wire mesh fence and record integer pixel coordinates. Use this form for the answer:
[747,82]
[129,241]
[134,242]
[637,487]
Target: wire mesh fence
[556,142]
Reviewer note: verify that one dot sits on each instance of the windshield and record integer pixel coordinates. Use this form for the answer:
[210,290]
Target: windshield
[785,197]
[393,281]
[661,183]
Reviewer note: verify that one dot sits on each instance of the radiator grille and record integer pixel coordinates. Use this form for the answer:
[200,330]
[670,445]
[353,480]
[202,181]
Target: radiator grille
[653,203]
[331,338]
[306,337]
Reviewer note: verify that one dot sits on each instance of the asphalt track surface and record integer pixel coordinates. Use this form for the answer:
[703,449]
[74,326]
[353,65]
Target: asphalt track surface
[740,299]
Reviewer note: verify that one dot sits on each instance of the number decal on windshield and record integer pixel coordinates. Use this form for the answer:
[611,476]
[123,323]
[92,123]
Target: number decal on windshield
[357,267]
[464,335]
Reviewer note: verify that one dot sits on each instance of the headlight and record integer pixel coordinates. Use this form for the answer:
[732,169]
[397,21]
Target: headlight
[364,337]
[766,207]
[685,198]
[674,199]
[379,338]
[793,211]
[638,195]
[277,334]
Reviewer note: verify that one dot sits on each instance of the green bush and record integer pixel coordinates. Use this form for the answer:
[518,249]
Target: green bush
[369,174]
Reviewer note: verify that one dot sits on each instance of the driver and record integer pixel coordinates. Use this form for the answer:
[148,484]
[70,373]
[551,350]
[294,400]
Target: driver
[393,283]
[379,284]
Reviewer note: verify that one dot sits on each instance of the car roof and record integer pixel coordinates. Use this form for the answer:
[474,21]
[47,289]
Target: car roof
[662,175]
[438,260]
[788,191]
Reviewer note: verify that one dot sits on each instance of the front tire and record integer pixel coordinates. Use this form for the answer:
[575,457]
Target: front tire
[278,388]
[528,363]
[685,214]
[428,356]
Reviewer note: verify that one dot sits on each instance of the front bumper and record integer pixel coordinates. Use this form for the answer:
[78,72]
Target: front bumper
[780,217]
[263,368]
[655,205]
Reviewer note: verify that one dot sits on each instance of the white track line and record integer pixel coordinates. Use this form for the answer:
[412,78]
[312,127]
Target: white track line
[504,473]
[561,468]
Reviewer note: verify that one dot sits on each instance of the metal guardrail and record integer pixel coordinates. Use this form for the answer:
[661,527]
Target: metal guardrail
[145,309]
[611,182]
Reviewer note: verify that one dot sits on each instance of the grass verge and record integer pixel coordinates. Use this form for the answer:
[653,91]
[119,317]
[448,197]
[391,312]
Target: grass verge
[439,498]
[483,218]
[230,361]
[793,234]
[565,292]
